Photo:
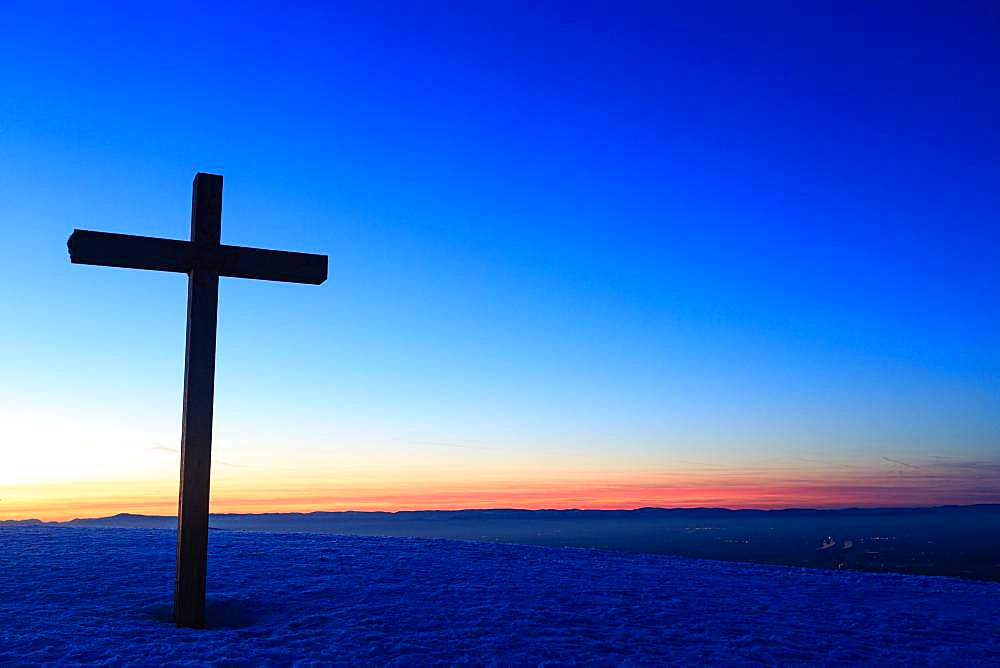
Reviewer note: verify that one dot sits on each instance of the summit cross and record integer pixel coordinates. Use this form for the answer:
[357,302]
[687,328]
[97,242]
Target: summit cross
[204,259]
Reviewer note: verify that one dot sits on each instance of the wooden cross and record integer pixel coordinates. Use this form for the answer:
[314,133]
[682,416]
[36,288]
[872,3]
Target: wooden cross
[204,259]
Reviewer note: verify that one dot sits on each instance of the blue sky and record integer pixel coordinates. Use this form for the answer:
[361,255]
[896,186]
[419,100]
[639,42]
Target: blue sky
[566,240]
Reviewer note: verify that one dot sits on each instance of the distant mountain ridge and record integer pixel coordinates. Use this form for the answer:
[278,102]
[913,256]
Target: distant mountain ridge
[123,520]
[942,540]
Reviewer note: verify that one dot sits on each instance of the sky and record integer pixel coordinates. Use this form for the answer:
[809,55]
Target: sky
[581,255]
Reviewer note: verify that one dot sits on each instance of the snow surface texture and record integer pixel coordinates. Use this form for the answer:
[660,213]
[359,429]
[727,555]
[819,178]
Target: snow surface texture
[89,595]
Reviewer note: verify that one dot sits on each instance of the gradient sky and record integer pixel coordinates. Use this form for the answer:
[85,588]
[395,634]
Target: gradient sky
[736,254]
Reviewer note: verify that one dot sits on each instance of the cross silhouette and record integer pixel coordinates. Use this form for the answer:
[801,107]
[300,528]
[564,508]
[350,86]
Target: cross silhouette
[204,259]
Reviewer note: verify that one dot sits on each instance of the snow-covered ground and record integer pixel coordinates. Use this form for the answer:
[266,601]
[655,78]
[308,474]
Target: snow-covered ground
[90,595]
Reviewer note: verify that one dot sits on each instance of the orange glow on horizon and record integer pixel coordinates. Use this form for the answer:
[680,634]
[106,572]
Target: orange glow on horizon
[941,485]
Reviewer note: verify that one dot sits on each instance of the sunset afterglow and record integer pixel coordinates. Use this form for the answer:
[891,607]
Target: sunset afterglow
[577,260]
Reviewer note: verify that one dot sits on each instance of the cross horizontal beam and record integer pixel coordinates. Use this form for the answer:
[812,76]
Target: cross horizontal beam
[270,265]
[130,251]
[137,252]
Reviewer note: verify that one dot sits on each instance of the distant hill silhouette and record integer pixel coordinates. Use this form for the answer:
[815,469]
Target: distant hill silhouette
[946,540]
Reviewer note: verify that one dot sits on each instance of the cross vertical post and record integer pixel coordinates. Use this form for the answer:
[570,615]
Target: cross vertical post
[199,390]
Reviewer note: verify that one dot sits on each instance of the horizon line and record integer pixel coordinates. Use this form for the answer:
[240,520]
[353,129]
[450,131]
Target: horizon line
[530,510]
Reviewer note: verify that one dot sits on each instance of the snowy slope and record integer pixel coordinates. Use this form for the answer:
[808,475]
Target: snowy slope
[71,594]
